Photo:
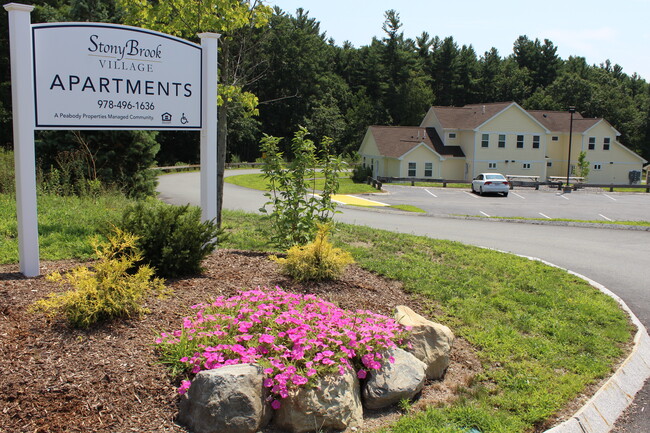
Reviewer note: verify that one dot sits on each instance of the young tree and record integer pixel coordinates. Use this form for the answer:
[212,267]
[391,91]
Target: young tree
[237,21]
[582,167]
[297,208]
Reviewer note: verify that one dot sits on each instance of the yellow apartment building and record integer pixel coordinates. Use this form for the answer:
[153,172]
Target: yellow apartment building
[458,143]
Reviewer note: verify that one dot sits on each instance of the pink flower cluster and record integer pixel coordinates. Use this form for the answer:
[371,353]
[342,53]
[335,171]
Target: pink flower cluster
[293,337]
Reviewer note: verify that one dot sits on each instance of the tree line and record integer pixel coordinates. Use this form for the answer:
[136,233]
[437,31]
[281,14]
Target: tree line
[279,71]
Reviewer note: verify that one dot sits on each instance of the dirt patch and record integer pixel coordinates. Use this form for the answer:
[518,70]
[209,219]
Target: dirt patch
[107,378]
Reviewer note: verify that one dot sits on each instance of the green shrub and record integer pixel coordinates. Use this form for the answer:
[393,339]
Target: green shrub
[360,174]
[173,240]
[119,159]
[109,290]
[318,260]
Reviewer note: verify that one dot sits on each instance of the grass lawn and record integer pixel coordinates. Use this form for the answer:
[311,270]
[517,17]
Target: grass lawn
[257,181]
[542,334]
[64,225]
[622,223]
[408,208]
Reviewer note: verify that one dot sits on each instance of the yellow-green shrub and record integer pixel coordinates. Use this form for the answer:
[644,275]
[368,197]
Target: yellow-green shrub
[108,290]
[318,260]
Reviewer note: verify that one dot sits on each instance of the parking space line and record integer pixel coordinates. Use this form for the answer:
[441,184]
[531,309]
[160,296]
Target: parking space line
[608,219]
[545,216]
[431,193]
[611,198]
[485,214]
[520,196]
[563,196]
[471,194]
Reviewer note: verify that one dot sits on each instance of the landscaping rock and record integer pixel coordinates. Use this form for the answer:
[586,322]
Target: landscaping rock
[229,399]
[403,379]
[334,403]
[430,342]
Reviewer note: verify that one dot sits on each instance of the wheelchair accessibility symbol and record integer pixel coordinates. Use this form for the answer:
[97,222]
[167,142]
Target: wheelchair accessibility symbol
[184,120]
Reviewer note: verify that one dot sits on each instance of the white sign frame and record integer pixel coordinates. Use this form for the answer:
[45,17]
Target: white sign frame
[107,76]
[24,124]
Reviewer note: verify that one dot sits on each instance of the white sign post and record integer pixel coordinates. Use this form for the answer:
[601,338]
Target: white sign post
[209,191]
[105,76]
[23,122]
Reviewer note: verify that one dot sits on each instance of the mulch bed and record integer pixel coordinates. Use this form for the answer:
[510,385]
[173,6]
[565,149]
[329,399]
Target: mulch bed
[107,379]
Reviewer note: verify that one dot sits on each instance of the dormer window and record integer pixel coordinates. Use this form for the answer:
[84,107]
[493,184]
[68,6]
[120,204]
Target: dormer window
[452,135]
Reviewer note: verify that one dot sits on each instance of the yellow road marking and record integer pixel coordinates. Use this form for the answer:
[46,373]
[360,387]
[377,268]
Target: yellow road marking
[357,201]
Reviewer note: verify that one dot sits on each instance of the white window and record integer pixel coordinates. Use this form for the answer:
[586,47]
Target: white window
[535,141]
[485,140]
[492,165]
[520,141]
[592,143]
[452,135]
[428,169]
[502,140]
[598,167]
[412,169]
[549,163]
[555,138]
[526,166]
[606,143]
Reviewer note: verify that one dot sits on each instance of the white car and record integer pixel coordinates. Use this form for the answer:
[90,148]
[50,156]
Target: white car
[491,182]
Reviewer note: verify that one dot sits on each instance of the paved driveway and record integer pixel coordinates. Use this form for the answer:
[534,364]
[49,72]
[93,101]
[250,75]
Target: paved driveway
[587,204]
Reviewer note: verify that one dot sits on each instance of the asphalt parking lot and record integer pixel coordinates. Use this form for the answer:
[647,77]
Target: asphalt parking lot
[588,204]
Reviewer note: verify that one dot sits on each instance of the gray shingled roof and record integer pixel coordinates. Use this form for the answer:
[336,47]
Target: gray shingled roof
[395,141]
[472,116]
[560,121]
[468,116]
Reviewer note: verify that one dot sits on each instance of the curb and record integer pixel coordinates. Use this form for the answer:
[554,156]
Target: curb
[600,413]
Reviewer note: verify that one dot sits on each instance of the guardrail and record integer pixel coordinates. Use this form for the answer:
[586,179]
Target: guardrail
[611,186]
[412,180]
[197,166]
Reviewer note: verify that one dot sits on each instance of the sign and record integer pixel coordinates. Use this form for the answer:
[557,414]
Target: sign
[104,76]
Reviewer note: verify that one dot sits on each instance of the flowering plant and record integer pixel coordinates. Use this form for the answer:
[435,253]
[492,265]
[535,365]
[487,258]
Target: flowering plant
[293,337]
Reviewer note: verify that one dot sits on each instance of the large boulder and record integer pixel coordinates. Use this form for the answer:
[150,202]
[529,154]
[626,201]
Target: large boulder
[429,342]
[229,399]
[403,379]
[333,403]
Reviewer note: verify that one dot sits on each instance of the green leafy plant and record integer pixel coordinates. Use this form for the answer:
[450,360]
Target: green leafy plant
[173,239]
[297,206]
[318,260]
[360,173]
[582,169]
[108,290]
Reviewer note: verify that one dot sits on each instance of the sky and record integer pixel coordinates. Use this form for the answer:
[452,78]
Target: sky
[618,30]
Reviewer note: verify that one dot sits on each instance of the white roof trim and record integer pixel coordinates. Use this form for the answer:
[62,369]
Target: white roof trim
[417,147]
[618,134]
